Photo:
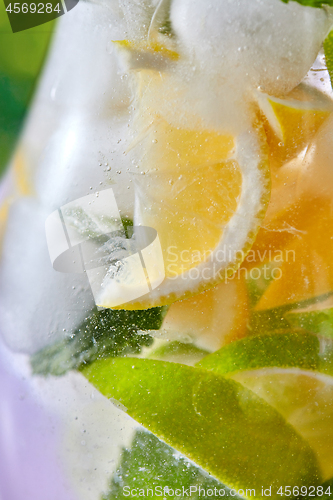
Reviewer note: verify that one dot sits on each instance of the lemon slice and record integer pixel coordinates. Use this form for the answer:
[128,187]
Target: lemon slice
[294,374]
[205,193]
[147,54]
[306,270]
[213,318]
[204,190]
[291,122]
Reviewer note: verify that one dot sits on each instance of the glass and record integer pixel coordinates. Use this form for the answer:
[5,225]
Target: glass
[166,279]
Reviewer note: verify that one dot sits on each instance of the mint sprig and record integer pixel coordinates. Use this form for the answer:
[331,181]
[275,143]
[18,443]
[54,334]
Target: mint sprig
[328,49]
[151,464]
[311,3]
[105,333]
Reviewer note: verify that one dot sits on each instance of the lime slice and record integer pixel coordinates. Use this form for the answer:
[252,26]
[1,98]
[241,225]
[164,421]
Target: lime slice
[176,352]
[293,373]
[220,425]
[287,350]
[317,318]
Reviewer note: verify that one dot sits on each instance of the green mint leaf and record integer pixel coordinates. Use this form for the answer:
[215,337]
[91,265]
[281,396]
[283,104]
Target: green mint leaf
[219,424]
[324,492]
[311,3]
[104,333]
[328,49]
[151,464]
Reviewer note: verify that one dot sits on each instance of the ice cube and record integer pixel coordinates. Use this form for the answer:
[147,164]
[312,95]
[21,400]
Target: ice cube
[95,86]
[37,304]
[58,433]
[250,43]
[73,163]
[95,81]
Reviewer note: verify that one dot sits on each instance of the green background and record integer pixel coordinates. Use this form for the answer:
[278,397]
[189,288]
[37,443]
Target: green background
[21,59]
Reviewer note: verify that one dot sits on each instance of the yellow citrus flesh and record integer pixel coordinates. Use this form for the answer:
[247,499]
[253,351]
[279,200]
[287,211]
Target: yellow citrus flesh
[307,270]
[190,192]
[299,223]
[204,190]
[292,122]
[22,179]
[147,47]
[213,318]
[304,399]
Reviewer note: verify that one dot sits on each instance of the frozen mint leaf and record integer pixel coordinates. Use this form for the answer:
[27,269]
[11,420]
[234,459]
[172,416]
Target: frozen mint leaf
[151,464]
[223,427]
[311,3]
[323,492]
[104,333]
[328,49]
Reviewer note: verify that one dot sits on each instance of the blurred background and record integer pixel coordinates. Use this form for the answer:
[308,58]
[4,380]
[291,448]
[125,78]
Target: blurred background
[21,59]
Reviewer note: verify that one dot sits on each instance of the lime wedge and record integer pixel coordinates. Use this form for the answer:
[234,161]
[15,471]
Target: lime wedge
[220,425]
[294,374]
[278,350]
[317,318]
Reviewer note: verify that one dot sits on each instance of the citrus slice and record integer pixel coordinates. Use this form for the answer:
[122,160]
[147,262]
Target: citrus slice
[203,189]
[212,318]
[205,193]
[306,270]
[147,54]
[292,122]
[219,424]
[294,374]
[316,318]
[299,224]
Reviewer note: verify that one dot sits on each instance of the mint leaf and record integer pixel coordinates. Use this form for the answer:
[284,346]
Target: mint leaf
[216,422]
[311,3]
[151,464]
[328,49]
[325,494]
[103,334]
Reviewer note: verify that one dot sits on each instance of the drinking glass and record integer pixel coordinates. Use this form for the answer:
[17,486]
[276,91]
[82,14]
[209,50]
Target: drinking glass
[166,277]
